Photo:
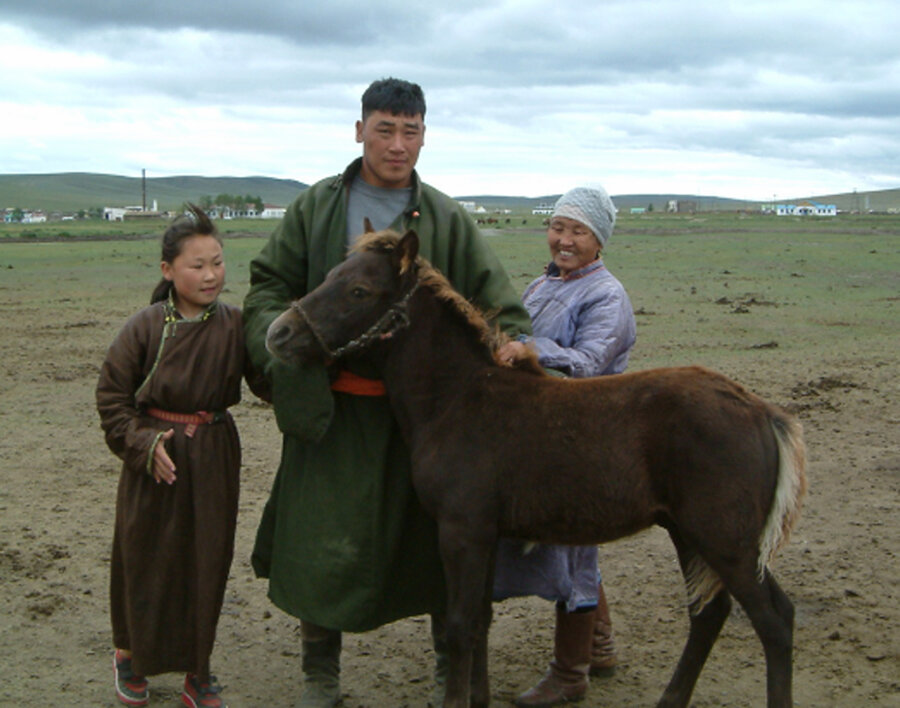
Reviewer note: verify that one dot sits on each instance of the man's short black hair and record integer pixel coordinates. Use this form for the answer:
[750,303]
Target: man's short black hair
[394,96]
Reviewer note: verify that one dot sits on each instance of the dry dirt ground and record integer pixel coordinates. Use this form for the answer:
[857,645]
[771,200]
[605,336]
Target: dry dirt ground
[57,487]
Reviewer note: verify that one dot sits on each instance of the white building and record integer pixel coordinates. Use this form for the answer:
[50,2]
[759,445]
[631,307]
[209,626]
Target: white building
[33,217]
[114,213]
[806,209]
[226,212]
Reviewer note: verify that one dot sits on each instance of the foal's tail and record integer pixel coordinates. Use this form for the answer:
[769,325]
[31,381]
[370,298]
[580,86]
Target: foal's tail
[789,489]
[701,581]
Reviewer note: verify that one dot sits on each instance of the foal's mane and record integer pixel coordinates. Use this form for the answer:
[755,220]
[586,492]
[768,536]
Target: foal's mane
[431,278]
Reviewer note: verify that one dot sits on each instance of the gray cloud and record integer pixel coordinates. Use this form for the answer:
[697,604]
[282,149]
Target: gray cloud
[334,22]
[805,83]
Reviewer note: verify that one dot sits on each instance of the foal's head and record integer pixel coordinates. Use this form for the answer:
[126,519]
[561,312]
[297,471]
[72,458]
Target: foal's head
[366,298]
[355,298]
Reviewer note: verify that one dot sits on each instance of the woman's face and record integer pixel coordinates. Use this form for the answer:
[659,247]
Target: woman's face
[572,244]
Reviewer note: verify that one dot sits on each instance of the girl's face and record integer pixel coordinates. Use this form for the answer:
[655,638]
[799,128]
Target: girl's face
[197,273]
[572,244]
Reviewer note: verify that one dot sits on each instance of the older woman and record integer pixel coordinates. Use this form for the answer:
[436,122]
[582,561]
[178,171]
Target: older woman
[583,326]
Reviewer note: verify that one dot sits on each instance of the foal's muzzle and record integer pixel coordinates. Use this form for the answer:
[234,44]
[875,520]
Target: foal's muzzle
[288,339]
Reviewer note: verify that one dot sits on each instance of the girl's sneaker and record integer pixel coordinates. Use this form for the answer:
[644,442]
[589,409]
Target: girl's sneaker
[131,689]
[201,695]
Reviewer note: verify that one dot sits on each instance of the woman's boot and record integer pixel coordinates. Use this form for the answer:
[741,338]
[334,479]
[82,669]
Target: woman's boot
[603,651]
[321,666]
[567,679]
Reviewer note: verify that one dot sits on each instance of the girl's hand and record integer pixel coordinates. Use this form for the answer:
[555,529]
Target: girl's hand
[163,467]
[511,351]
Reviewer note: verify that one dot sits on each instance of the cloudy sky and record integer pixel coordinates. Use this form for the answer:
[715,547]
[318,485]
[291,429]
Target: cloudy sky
[750,99]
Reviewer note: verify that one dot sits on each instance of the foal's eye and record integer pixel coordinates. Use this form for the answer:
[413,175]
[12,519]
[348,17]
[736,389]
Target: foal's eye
[359,292]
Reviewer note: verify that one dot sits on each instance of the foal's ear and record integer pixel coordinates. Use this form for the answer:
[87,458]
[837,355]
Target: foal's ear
[407,250]
[367,226]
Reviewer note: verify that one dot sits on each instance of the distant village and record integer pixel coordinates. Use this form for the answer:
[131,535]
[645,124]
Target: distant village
[247,211]
[689,206]
[128,213]
[260,210]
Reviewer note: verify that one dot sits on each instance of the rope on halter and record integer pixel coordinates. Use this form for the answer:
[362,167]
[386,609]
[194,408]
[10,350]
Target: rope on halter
[298,308]
[392,321]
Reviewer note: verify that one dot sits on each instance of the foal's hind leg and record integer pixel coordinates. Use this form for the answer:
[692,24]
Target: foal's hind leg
[705,628]
[772,615]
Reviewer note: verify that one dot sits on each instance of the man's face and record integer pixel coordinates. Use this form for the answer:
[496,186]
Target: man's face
[391,145]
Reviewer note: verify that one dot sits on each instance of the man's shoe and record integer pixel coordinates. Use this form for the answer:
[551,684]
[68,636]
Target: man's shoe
[321,671]
[131,689]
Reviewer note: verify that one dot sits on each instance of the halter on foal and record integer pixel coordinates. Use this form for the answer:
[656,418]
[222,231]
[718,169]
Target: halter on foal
[584,461]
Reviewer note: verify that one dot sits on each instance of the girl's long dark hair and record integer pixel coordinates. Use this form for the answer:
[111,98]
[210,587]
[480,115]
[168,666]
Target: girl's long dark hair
[195,222]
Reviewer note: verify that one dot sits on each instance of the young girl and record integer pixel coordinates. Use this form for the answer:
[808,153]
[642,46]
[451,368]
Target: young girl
[166,384]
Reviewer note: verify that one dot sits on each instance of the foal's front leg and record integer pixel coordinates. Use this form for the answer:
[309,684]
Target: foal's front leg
[467,567]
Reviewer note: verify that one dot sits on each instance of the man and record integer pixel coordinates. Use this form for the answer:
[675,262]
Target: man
[343,540]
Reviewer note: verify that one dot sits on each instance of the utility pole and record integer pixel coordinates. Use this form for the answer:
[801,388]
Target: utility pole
[143,190]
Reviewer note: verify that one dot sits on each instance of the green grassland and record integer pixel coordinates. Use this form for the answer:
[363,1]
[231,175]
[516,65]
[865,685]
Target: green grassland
[721,290]
[716,293]
[97,229]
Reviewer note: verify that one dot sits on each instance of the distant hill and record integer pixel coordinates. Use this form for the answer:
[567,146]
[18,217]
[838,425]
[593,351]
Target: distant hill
[878,201]
[623,202]
[69,192]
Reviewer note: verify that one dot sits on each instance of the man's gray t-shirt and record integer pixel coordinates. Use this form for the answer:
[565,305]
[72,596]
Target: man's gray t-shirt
[381,205]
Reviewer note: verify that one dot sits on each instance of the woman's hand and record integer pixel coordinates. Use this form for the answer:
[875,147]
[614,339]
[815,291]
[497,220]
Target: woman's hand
[511,352]
[163,467]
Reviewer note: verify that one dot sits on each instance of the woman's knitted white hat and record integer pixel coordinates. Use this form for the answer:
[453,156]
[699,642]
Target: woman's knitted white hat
[592,207]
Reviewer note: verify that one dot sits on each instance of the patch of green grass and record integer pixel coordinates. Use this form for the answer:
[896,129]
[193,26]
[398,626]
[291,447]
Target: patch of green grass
[723,290]
[98,229]
[715,294]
